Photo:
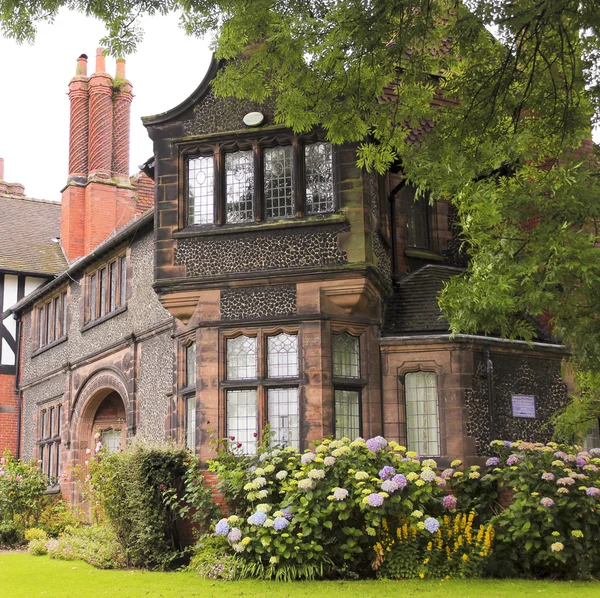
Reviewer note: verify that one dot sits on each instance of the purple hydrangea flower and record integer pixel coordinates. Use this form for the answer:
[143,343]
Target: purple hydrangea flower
[492,462]
[581,462]
[375,500]
[432,525]
[287,513]
[560,455]
[222,528]
[592,491]
[387,473]
[565,481]
[280,523]
[595,452]
[547,502]
[449,502]
[513,459]
[235,535]
[548,476]
[507,443]
[376,444]
[447,473]
[258,518]
[400,480]
[389,486]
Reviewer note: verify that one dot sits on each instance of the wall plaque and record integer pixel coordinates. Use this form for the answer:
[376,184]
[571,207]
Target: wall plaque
[523,406]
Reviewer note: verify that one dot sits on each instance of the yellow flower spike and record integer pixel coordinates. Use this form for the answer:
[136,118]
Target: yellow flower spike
[465,557]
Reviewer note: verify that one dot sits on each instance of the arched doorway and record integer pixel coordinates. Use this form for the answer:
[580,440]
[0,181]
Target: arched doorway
[109,426]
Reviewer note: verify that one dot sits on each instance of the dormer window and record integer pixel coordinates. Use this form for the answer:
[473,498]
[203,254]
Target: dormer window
[253,182]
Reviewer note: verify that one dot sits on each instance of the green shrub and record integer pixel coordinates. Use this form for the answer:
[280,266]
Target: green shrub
[94,544]
[11,534]
[35,533]
[56,516]
[37,547]
[143,493]
[213,560]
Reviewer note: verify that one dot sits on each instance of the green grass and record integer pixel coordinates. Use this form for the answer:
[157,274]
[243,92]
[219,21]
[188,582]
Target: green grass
[22,575]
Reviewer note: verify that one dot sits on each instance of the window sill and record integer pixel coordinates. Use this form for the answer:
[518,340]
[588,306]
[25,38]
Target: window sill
[211,229]
[423,254]
[53,489]
[49,346]
[104,318]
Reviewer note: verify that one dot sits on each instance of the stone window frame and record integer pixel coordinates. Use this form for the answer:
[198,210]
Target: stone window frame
[256,143]
[425,367]
[50,413]
[352,384]
[121,260]
[188,391]
[261,383]
[44,313]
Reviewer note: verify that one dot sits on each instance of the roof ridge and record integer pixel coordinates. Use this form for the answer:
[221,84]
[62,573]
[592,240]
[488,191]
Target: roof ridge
[35,199]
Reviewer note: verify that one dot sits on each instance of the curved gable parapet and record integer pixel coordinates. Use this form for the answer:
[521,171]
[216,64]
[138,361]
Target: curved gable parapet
[203,113]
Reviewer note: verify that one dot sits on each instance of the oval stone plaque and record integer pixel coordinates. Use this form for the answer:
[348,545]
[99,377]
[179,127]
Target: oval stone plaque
[253,119]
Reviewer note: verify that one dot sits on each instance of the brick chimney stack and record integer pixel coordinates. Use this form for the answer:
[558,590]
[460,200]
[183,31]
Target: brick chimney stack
[99,196]
[14,189]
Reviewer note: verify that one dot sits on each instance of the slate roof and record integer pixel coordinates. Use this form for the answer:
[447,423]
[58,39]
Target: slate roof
[27,227]
[413,308]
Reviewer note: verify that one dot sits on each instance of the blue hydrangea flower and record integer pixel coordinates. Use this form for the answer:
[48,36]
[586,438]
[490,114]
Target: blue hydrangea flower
[387,473]
[400,480]
[280,523]
[222,528]
[258,518]
[492,462]
[287,513]
[376,444]
[375,500]
[432,525]
[592,491]
[235,535]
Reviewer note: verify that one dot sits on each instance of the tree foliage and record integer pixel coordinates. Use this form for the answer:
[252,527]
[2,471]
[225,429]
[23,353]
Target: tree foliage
[504,115]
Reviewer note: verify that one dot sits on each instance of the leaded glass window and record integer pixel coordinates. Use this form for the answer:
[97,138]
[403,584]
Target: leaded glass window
[239,185]
[347,413]
[111,440]
[282,351]
[346,356]
[242,418]
[201,182]
[241,358]
[190,423]
[190,365]
[592,438]
[49,442]
[278,182]
[318,178]
[422,413]
[283,416]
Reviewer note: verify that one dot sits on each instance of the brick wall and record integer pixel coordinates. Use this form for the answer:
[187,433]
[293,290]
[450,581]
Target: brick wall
[8,413]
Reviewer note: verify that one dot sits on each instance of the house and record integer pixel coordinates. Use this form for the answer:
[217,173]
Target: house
[270,280]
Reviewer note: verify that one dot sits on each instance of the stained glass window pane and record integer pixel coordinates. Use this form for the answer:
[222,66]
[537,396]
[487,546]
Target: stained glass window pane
[239,182]
[319,178]
[190,365]
[422,415]
[113,286]
[111,440]
[241,358]
[92,297]
[242,418]
[283,416]
[279,197]
[282,353]
[190,424]
[346,356]
[201,181]
[123,290]
[347,414]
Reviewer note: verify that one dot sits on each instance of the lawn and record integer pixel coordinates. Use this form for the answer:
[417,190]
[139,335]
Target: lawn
[28,576]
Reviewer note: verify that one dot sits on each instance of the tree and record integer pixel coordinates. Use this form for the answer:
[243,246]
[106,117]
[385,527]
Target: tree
[505,116]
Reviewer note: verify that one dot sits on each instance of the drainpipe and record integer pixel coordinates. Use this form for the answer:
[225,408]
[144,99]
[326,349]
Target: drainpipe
[490,392]
[17,385]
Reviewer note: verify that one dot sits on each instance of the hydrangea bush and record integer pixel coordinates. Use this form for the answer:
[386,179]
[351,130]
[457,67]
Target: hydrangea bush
[329,511]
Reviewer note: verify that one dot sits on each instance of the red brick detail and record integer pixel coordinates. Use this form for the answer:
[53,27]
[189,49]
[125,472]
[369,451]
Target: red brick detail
[72,221]
[79,126]
[8,414]
[121,124]
[145,192]
[101,125]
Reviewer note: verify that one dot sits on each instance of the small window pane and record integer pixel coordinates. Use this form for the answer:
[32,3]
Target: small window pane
[422,416]
[346,356]
[64,315]
[93,314]
[242,418]
[241,358]
[47,464]
[57,468]
[279,197]
[111,440]
[592,438]
[56,316]
[113,286]
[283,416]
[47,323]
[190,424]
[51,423]
[282,356]
[102,284]
[239,182]
[319,178]
[58,420]
[123,291]
[43,425]
[41,327]
[347,414]
[190,365]
[201,177]
[417,218]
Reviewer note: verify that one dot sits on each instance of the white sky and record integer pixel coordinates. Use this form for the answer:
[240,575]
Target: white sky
[34,116]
